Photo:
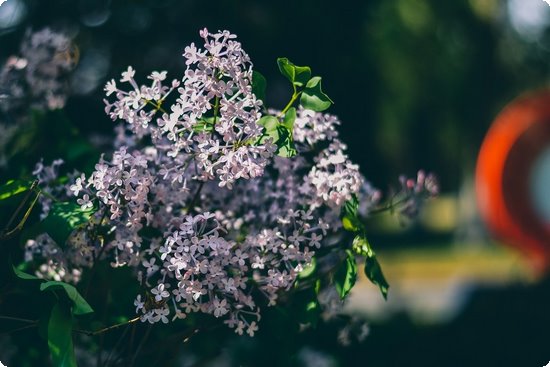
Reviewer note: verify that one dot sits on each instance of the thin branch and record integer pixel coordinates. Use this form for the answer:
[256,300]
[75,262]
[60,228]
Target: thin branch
[389,206]
[2,317]
[106,329]
[295,96]
[19,329]
[46,194]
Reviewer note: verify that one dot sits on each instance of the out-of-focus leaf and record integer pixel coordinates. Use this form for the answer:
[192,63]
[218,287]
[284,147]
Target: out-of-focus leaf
[63,218]
[259,85]
[14,187]
[80,306]
[60,339]
[308,270]
[22,275]
[307,307]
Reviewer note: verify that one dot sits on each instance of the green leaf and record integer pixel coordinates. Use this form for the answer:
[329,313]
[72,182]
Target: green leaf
[285,143]
[204,124]
[22,275]
[308,270]
[350,207]
[373,271]
[346,275]
[63,218]
[14,187]
[350,224]
[280,134]
[80,306]
[307,307]
[290,118]
[60,339]
[348,213]
[259,85]
[269,123]
[361,246]
[297,75]
[313,98]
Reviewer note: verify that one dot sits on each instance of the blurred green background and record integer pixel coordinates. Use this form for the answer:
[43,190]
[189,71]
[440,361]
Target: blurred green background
[416,84]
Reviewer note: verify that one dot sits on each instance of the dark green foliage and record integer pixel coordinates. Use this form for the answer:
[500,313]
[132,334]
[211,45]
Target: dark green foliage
[63,218]
[78,303]
[259,85]
[280,134]
[60,338]
[346,275]
[14,187]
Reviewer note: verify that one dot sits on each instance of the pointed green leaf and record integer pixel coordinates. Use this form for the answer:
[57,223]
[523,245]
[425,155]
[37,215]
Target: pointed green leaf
[350,206]
[361,246]
[348,213]
[80,306]
[280,134]
[14,187]
[313,98]
[285,143]
[60,339]
[259,85]
[290,118]
[346,275]
[269,123]
[63,218]
[22,275]
[297,75]
[308,309]
[308,270]
[373,271]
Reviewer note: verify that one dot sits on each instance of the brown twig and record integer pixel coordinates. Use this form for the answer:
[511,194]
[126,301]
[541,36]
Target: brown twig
[19,329]
[106,329]
[10,318]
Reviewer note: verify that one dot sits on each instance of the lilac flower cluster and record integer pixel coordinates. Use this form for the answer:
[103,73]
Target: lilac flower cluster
[414,192]
[38,76]
[214,116]
[194,199]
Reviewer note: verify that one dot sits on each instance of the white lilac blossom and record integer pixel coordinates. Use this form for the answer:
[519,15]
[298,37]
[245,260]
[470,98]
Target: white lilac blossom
[194,199]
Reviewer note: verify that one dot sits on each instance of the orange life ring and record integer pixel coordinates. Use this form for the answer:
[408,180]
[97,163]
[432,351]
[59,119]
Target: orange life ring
[517,137]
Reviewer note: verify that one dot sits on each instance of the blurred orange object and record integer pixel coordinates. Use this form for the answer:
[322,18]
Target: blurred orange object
[518,137]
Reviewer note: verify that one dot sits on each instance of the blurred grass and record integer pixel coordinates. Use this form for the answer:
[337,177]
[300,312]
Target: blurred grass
[433,283]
